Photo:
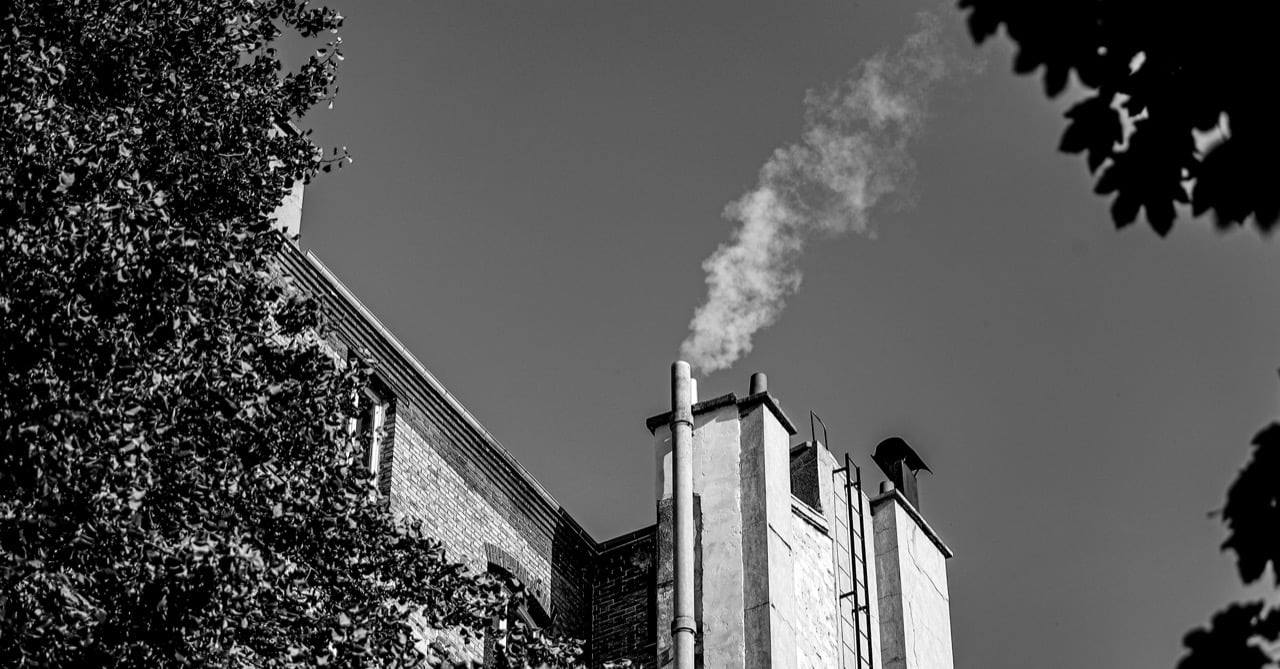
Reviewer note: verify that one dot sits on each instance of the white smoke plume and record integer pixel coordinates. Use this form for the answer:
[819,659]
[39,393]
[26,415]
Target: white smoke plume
[852,157]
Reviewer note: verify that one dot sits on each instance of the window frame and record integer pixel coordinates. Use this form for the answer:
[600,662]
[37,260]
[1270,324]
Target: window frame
[372,409]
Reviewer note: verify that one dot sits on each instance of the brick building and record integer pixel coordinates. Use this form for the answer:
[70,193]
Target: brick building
[781,527]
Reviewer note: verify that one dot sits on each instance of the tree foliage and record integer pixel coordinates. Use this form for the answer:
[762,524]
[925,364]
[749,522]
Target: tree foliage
[1244,635]
[177,484]
[1174,70]
[1193,81]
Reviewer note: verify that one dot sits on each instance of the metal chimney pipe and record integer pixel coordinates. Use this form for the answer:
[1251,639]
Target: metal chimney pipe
[682,623]
[759,383]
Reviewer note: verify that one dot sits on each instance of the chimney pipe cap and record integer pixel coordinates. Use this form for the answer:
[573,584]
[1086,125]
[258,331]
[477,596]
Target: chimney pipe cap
[895,449]
[759,383]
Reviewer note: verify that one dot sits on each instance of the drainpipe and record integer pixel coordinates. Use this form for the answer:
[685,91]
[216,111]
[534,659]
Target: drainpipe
[682,623]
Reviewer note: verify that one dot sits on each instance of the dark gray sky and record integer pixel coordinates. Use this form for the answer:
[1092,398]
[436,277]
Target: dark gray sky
[536,184]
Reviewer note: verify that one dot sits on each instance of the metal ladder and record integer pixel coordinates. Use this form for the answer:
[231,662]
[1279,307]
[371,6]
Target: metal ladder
[860,593]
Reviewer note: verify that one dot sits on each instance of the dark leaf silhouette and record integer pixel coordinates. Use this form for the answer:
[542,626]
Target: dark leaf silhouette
[1095,127]
[1177,69]
[1235,638]
[1252,512]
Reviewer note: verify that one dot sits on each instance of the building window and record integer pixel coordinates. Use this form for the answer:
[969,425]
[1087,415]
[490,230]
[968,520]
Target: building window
[498,637]
[369,427]
[527,614]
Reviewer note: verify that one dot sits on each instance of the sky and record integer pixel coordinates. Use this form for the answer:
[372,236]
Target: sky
[536,185]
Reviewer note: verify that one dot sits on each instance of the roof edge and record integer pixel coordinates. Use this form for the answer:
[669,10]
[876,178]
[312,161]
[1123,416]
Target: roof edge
[894,494]
[627,538]
[744,404]
[774,406]
[436,385]
[664,418]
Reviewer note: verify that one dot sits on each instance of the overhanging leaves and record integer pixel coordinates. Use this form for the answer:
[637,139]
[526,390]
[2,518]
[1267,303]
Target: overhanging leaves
[177,487]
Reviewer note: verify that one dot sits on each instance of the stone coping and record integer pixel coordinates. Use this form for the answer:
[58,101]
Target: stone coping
[744,404]
[915,514]
[807,513]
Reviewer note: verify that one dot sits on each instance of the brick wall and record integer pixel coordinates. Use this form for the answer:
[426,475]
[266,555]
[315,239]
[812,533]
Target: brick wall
[623,607]
[439,465]
[424,486]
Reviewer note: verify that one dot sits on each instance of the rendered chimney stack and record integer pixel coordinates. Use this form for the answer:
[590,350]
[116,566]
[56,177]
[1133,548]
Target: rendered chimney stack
[744,574]
[740,556]
[911,569]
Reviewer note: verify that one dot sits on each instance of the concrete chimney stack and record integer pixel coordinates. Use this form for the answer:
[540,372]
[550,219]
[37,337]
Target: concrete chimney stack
[911,567]
[771,556]
[741,518]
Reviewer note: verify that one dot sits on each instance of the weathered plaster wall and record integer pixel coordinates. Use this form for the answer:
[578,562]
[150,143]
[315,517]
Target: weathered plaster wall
[818,635]
[665,585]
[858,637]
[718,560]
[766,541]
[915,628]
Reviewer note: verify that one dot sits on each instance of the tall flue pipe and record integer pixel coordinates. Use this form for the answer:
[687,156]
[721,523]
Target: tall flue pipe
[682,623]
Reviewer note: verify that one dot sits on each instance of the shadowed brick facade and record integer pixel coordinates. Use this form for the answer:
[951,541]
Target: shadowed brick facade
[438,464]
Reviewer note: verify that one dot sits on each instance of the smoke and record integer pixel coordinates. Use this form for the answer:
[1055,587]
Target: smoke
[852,156]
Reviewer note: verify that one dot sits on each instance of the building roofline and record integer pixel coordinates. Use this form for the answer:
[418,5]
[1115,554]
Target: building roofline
[627,538]
[424,375]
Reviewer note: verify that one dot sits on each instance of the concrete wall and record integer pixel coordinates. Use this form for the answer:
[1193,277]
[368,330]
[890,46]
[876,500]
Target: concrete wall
[852,640]
[664,587]
[915,628]
[766,540]
[718,544]
[818,636]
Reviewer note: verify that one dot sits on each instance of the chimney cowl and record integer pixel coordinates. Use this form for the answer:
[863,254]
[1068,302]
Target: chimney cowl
[900,463]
